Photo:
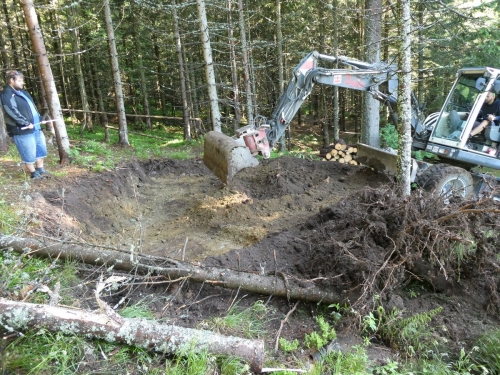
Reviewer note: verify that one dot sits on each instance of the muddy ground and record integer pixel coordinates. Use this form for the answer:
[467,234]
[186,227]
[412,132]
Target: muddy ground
[341,226]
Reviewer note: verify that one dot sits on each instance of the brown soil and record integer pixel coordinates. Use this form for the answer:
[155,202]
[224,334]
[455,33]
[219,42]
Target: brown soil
[340,225]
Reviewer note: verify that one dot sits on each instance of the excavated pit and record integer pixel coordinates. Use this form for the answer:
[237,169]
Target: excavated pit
[341,226]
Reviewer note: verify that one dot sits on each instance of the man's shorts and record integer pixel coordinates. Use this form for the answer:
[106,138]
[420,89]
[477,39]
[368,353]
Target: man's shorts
[31,146]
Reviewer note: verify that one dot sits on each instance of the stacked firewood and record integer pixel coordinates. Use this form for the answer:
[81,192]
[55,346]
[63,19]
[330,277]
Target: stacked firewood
[340,152]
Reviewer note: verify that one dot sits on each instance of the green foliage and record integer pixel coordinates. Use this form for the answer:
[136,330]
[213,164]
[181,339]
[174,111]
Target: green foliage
[9,216]
[138,310]
[421,155]
[19,274]
[98,162]
[324,336]
[232,366]
[488,353]
[288,346]
[248,322]
[44,352]
[389,368]
[462,250]
[410,335]
[191,363]
[353,362]
[389,136]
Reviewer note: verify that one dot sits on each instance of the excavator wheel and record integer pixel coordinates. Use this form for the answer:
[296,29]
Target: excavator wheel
[447,181]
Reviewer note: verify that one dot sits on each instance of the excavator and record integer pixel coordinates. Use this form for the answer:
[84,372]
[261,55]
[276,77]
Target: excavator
[445,133]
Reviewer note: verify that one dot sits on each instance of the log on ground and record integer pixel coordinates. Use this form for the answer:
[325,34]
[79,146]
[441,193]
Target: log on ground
[279,285]
[147,334]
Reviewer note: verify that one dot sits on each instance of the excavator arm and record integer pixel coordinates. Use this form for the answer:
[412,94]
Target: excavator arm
[225,156]
[356,76]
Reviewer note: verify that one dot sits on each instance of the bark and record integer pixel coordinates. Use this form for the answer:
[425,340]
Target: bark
[279,45]
[246,64]
[336,106]
[10,33]
[75,43]
[278,285]
[143,333]
[160,84]
[421,47]
[182,76]
[403,18]
[57,47]
[5,56]
[115,66]
[4,138]
[371,106]
[209,66]
[234,69]
[100,95]
[47,79]
[142,75]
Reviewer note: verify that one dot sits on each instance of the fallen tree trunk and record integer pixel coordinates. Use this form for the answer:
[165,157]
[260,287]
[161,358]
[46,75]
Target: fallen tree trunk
[143,333]
[278,285]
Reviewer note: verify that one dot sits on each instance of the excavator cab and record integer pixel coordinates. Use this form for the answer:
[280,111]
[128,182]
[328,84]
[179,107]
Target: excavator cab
[450,129]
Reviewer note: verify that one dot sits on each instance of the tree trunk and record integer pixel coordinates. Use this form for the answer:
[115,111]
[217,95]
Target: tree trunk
[209,67]
[421,47]
[162,98]
[11,38]
[234,69]
[371,106]
[113,55]
[100,101]
[75,42]
[336,104]
[246,64]
[4,138]
[403,19]
[278,285]
[47,79]
[5,56]
[182,76]
[140,61]
[57,46]
[143,333]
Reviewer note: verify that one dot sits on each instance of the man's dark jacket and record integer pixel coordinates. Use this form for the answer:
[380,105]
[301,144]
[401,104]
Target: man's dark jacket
[17,112]
[491,109]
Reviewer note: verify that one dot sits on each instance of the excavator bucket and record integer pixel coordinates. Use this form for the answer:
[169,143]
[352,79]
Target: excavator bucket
[226,156]
[380,160]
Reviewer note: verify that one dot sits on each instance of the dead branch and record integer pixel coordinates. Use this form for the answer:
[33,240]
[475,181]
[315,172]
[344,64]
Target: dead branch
[142,333]
[146,265]
[283,323]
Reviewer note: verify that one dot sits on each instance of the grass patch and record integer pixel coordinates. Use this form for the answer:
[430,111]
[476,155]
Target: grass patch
[93,153]
[249,322]
[44,352]
[21,276]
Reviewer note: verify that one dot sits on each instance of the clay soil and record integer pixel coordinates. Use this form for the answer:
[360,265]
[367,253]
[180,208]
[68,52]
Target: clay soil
[338,227]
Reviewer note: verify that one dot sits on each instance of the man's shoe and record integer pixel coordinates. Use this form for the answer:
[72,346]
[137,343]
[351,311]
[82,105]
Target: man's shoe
[36,175]
[42,172]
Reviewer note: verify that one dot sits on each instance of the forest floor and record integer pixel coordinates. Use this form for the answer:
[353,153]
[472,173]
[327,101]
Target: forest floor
[337,227]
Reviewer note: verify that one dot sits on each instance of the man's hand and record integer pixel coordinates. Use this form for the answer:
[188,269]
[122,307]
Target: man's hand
[30,126]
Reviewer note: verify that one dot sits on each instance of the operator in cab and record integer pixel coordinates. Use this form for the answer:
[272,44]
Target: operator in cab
[490,112]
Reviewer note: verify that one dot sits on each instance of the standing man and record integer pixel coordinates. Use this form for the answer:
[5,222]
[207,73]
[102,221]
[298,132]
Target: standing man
[23,124]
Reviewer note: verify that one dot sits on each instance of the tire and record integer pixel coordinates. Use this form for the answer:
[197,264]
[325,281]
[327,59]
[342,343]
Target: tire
[447,181]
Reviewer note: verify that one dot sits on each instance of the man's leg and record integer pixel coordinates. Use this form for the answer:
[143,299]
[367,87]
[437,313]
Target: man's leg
[478,129]
[26,146]
[41,152]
